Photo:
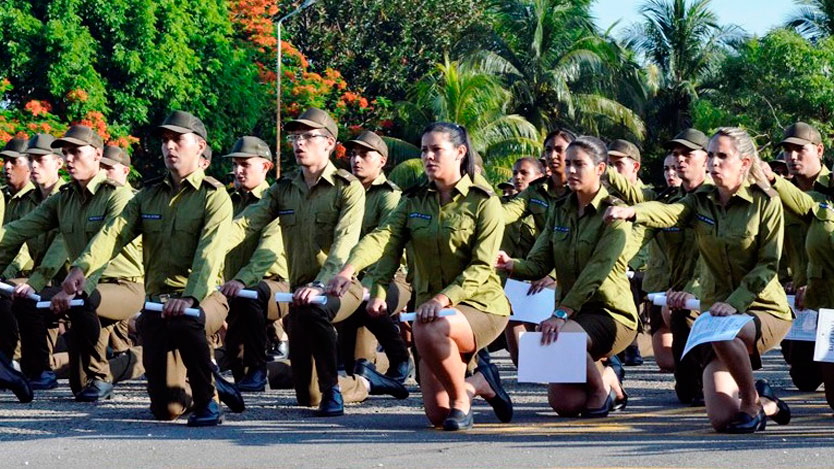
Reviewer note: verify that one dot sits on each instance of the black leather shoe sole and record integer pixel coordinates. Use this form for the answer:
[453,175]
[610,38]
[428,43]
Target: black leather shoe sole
[742,423]
[380,384]
[200,422]
[599,412]
[457,421]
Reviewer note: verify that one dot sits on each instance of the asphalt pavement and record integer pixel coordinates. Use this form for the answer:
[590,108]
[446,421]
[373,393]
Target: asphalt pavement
[655,430]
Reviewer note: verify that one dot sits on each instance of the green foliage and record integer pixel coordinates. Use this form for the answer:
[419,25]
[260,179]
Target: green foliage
[383,46]
[814,19]
[773,82]
[551,57]
[466,95]
[135,61]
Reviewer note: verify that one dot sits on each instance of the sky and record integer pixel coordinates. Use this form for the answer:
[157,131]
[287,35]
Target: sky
[755,16]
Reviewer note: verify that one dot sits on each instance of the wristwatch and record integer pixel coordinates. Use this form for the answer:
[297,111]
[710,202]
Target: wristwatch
[560,314]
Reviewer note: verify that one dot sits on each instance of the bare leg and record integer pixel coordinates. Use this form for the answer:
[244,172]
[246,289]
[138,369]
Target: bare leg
[662,347]
[440,344]
[728,380]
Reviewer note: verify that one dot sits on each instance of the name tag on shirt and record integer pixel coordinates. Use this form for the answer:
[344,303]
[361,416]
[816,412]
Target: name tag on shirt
[96,218]
[540,202]
[421,216]
[151,216]
[673,229]
[707,220]
[561,229]
[288,211]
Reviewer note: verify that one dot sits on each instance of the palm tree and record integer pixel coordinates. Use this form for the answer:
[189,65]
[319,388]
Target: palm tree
[468,96]
[685,42]
[548,52]
[814,19]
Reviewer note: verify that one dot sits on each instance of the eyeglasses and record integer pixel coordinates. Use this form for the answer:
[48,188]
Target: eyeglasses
[292,138]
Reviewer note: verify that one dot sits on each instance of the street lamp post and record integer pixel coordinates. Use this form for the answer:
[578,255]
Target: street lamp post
[298,10]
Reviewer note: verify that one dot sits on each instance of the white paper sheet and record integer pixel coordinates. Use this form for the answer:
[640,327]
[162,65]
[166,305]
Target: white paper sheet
[529,308]
[804,327]
[708,328]
[562,361]
[824,349]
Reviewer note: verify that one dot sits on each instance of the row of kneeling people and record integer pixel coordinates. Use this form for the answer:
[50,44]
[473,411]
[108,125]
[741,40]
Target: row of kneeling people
[579,221]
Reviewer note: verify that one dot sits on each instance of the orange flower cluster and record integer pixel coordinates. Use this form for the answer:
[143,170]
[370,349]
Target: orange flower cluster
[38,108]
[254,18]
[95,120]
[78,95]
[124,142]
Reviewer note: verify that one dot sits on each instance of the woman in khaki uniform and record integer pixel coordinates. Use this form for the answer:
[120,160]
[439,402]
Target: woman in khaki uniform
[455,226]
[739,227]
[590,265]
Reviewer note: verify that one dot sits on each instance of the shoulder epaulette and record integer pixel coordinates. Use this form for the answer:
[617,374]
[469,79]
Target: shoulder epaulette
[611,200]
[113,182]
[65,187]
[391,184]
[153,181]
[483,189]
[764,187]
[213,182]
[418,187]
[346,175]
[538,182]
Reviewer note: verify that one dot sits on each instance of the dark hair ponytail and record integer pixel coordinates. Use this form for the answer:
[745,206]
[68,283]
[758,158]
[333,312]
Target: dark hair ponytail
[457,136]
[594,147]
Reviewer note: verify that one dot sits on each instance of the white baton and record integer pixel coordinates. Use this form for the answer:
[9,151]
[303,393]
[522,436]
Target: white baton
[287,298]
[193,312]
[6,288]
[408,317]
[248,294]
[693,303]
[47,304]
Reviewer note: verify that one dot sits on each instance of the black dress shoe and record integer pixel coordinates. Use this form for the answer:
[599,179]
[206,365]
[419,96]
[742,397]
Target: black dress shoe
[501,403]
[332,404]
[254,381]
[45,380]
[632,356]
[278,350]
[14,381]
[380,384]
[228,393]
[783,414]
[457,421]
[400,372]
[598,412]
[94,391]
[618,404]
[744,423]
[207,416]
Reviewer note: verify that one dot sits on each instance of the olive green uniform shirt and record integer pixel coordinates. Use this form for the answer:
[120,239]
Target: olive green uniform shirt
[79,213]
[588,256]
[534,201]
[796,229]
[637,250]
[674,261]
[258,256]
[455,246]
[740,245]
[520,235]
[184,233]
[28,259]
[381,198]
[320,224]
[816,211]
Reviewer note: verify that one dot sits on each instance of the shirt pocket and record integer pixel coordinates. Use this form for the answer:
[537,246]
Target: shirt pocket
[325,225]
[151,222]
[94,224]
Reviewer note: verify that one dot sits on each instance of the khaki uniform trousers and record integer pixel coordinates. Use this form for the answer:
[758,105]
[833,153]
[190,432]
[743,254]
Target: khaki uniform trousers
[314,348]
[177,359]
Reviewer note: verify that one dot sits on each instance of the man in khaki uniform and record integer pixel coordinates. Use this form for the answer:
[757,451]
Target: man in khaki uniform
[184,222]
[803,149]
[368,155]
[258,266]
[31,269]
[320,211]
[624,165]
[114,293]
